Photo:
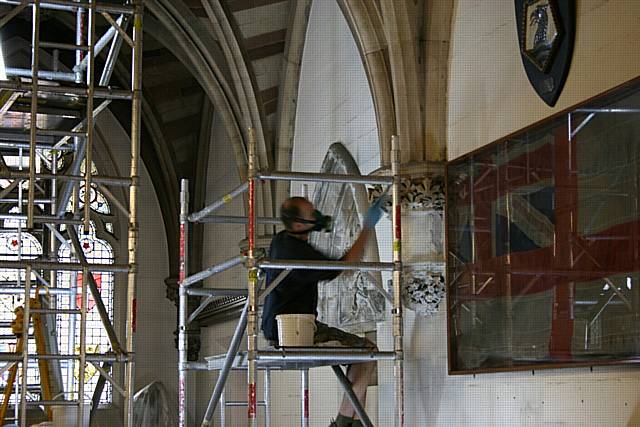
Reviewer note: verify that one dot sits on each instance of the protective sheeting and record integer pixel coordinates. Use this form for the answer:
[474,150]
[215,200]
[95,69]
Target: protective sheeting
[153,407]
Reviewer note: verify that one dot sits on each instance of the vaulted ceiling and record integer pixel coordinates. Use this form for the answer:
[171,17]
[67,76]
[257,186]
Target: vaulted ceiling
[224,57]
[201,58]
[240,60]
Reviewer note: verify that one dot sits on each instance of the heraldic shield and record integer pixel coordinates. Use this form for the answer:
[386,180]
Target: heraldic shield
[546,31]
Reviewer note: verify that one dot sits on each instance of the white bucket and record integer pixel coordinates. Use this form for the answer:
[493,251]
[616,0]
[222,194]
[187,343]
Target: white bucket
[296,330]
[64,416]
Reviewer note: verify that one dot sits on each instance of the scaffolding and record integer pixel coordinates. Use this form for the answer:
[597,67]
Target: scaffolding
[75,94]
[289,358]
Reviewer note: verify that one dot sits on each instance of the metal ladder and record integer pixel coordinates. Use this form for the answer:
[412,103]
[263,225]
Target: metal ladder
[20,327]
[265,403]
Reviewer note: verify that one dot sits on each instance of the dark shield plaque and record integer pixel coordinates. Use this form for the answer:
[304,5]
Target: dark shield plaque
[546,30]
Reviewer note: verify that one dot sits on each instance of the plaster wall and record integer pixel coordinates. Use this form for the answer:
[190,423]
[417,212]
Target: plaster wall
[156,358]
[334,104]
[220,242]
[489,93]
[490,97]
[334,99]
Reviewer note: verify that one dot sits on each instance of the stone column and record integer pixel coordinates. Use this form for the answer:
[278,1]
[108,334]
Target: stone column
[423,251]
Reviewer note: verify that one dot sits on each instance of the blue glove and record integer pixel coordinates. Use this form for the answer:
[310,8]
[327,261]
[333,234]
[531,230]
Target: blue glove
[374,213]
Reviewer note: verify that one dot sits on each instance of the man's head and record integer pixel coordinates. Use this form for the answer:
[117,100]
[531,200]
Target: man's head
[300,217]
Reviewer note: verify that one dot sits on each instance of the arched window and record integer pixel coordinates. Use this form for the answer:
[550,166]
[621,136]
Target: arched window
[97,251]
[44,158]
[350,301]
[15,244]
[98,201]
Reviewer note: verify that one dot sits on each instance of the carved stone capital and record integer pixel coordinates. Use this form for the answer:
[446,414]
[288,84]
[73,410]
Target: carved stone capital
[193,329]
[194,342]
[423,288]
[421,188]
[171,284]
[423,202]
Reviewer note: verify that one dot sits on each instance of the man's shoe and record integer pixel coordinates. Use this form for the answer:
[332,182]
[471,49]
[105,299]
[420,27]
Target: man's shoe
[342,421]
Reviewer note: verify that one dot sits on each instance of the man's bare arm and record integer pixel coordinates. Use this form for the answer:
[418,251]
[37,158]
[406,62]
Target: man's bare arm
[357,250]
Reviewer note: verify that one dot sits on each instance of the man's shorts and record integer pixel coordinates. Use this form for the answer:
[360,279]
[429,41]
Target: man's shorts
[327,334]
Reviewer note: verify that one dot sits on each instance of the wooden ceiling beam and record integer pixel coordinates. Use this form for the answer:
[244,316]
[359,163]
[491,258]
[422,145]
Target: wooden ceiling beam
[239,5]
[267,44]
[270,100]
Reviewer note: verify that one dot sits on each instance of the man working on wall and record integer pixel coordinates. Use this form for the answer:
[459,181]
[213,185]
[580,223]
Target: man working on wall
[298,291]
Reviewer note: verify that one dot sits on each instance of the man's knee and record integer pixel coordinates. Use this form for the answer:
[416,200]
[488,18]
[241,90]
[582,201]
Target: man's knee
[370,344]
[371,366]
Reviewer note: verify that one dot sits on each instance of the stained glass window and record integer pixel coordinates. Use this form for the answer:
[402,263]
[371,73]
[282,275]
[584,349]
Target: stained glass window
[8,303]
[97,251]
[98,201]
[15,245]
[48,156]
[43,158]
[15,223]
[16,162]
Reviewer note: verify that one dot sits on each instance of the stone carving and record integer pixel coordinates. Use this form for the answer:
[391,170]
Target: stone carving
[423,290]
[351,301]
[171,289]
[193,329]
[424,193]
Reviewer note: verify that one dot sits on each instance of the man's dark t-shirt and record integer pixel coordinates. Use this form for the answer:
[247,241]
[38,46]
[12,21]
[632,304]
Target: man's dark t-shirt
[298,292]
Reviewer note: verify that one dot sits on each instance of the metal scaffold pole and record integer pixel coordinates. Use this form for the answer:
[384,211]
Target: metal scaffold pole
[281,358]
[82,363]
[252,317]
[25,348]
[398,370]
[35,59]
[44,143]
[182,313]
[89,124]
[136,110]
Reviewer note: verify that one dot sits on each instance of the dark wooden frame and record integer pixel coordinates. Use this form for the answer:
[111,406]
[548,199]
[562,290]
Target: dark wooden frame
[617,90]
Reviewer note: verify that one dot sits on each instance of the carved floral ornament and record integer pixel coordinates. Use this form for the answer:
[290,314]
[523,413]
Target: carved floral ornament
[423,290]
[423,193]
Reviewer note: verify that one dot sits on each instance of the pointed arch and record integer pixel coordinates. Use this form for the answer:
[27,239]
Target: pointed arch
[365,21]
